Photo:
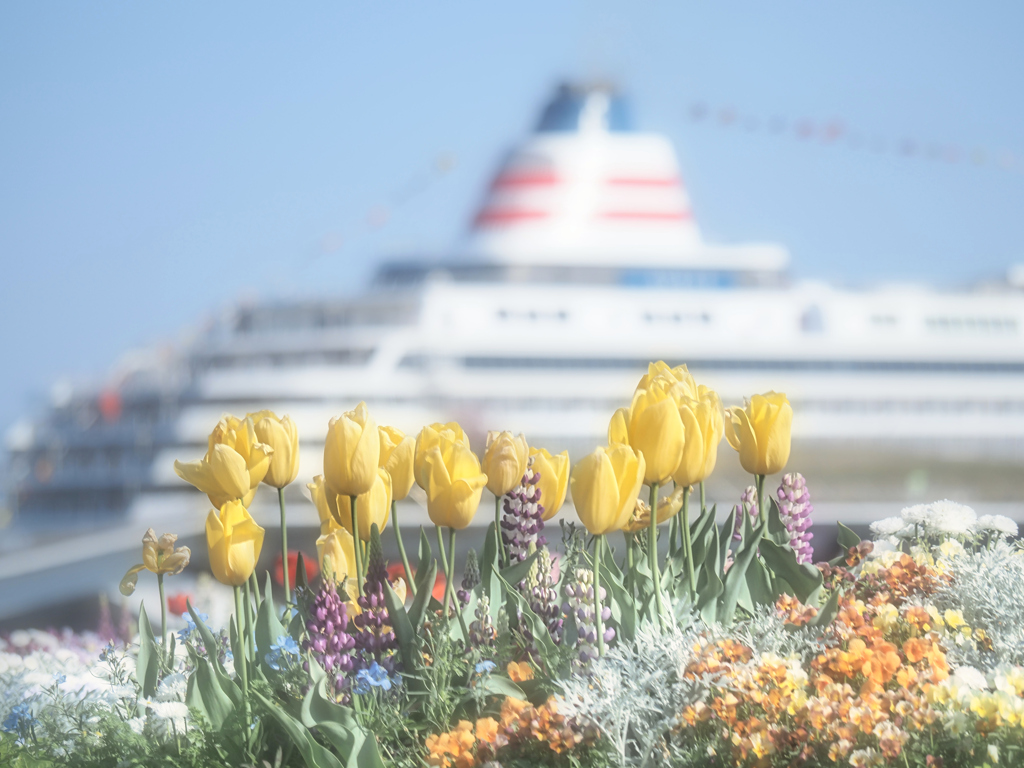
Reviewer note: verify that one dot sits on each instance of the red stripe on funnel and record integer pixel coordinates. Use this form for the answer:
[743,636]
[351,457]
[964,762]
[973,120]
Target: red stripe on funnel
[508,216]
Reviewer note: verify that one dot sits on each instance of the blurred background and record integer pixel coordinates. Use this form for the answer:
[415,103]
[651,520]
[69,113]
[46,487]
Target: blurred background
[496,215]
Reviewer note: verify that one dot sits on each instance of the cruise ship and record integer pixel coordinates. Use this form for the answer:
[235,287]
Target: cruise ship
[582,263]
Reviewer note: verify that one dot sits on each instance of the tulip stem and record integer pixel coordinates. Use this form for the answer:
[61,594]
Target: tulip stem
[250,625]
[761,505]
[163,622]
[451,586]
[688,543]
[284,548]
[703,503]
[497,532]
[652,555]
[401,549]
[355,547]
[598,619]
[444,566]
[241,665]
[630,554]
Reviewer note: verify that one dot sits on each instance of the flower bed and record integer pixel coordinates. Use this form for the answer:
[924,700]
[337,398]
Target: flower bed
[650,633]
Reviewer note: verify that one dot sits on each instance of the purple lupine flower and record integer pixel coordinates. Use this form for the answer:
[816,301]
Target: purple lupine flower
[375,638]
[328,639]
[580,601]
[539,589]
[749,504]
[795,510]
[523,518]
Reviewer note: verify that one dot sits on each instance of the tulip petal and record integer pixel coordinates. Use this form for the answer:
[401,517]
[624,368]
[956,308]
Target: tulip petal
[776,450]
[127,585]
[595,491]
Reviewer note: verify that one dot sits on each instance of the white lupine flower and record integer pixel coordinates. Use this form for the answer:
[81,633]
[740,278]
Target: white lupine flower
[997,524]
[890,526]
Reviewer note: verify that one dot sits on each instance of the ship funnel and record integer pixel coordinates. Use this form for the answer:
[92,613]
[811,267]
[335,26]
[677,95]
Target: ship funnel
[585,188]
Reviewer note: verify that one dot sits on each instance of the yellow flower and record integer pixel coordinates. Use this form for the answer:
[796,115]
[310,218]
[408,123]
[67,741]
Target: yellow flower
[760,431]
[554,479]
[283,437]
[374,506]
[430,437]
[678,375]
[234,541]
[656,429]
[504,461]
[605,485]
[702,428]
[396,455]
[326,503]
[667,508]
[234,465]
[453,480]
[337,554]
[954,619]
[618,428]
[352,452]
[158,556]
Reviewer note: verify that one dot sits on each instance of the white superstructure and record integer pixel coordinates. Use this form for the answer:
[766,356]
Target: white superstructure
[582,264]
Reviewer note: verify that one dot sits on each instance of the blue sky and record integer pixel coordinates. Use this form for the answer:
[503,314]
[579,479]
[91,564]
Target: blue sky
[159,163]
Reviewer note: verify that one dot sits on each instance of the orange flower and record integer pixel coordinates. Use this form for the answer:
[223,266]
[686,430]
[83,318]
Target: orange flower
[487,729]
[519,671]
[915,649]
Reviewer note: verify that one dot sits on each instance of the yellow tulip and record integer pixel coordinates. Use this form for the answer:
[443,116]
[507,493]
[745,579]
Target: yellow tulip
[605,486]
[396,455]
[660,371]
[234,541]
[760,431]
[504,461]
[234,465]
[656,429]
[454,481]
[374,506]
[703,428]
[430,437]
[326,503]
[283,437]
[554,479]
[352,452]
[668,507]
[618,428]
[158,556]
[339,546]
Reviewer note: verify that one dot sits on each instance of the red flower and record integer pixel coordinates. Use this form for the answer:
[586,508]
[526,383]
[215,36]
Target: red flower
[176,603]
[312,569]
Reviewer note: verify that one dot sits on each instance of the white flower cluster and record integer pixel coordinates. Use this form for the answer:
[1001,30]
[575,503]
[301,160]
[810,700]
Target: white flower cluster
[940,520]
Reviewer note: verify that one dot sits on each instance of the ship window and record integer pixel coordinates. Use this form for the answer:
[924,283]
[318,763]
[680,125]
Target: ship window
[975,324]
[532,316]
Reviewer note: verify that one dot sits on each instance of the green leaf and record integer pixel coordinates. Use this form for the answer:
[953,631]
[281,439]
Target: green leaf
[426,556]
[538,628]
[519,571]
[759,583]
[621,603]
[700,536]
[424,589]
[313,753]
[735,579]
[802,577]
[356,745]
[212,646]
[148,663]
[709,584]
[268,627]
[725,537]
[489,578]
[301,577]
[845,538]
[828,611]
[776,528]
[497,685]
[207,695]
[408,642]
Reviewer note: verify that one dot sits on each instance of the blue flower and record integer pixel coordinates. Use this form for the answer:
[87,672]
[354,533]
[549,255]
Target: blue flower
[19,719]
[286,644]
[485,667]
[59,678]
[373,677]
[190,626]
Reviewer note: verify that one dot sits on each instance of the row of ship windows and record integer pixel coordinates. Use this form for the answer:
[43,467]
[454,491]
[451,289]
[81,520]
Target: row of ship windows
[939,324]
